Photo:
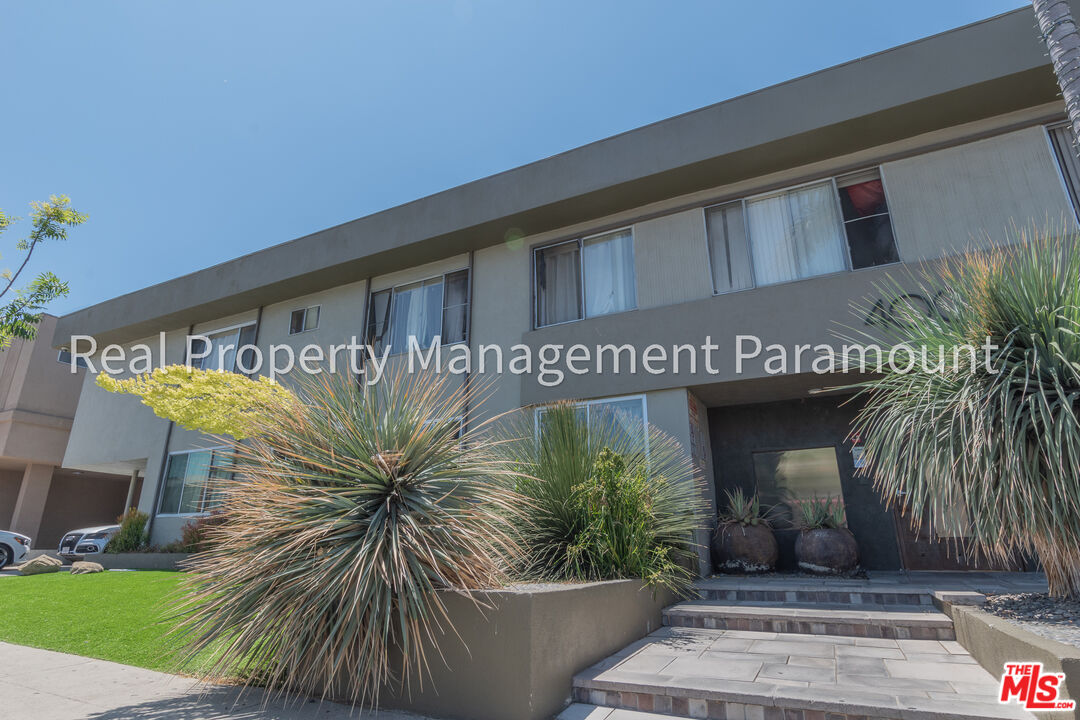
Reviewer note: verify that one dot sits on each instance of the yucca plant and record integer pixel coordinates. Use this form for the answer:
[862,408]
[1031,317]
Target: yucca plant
[351,508]
[606,499]
[742,509]
[998,434]
[819,513]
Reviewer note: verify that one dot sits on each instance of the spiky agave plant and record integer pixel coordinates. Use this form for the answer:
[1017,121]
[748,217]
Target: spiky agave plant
[997,435]
[350,509]
[606,498]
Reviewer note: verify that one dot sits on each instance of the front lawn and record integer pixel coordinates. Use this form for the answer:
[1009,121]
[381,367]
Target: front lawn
[111,615]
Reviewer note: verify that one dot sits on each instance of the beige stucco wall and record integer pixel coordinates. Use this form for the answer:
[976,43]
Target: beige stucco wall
[501,312]
[117,433]
[969,196]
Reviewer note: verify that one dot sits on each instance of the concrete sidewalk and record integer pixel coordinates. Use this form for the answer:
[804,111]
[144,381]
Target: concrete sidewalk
[45,685]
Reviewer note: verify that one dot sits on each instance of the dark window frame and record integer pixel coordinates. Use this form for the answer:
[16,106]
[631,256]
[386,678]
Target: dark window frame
[377,331]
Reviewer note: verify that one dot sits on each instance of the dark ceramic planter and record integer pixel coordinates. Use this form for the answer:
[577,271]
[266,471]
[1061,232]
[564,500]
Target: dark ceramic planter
[745,548]
[826,551]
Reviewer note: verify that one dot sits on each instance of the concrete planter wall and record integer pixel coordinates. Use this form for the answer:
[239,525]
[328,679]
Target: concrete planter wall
[516,660]
[993,642]
[140,561]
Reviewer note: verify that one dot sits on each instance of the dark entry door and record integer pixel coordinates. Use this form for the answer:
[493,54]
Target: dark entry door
[933,546]
[751,441]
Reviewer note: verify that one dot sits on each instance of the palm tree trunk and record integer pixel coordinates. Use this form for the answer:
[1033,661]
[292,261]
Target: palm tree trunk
[1061,563]
[1059,31]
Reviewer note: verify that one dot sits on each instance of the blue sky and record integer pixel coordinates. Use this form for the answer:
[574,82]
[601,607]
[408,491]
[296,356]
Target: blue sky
[193,132]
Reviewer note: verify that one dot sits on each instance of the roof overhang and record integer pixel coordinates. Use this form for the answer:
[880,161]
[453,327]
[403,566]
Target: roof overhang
[978,71]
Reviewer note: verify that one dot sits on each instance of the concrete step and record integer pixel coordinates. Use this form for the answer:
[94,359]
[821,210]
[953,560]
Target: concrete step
[720,674]
[804,590]
[918,622]
[581,711]
[854,591]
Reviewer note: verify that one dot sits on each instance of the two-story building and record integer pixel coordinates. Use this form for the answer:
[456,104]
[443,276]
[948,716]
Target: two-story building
[39,496]
[766,215]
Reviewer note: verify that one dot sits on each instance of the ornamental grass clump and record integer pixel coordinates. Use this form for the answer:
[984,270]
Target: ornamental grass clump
[606,499]
[350,509]
[995,436]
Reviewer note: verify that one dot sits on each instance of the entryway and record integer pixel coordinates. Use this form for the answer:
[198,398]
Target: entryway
[796,449]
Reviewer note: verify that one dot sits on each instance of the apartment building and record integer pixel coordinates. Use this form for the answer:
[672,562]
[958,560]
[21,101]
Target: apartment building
[767,215]
[39,496]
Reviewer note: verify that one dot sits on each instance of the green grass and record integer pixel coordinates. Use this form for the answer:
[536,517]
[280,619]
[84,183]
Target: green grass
[111,615]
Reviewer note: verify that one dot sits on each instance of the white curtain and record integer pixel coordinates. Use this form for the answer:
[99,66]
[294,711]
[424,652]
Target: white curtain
[609,274]
[222,351]
[417,312]
[558,272]
[797,234]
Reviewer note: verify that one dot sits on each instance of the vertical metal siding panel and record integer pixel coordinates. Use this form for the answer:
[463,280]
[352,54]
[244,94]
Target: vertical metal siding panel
[670,259]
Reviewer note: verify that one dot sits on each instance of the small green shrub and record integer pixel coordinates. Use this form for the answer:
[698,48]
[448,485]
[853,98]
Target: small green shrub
[616,539]
[742,509]
[605,499]
[819,513]
[132,536]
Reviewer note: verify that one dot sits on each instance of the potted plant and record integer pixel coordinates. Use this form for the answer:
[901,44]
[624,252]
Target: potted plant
[824,546]
[744,540]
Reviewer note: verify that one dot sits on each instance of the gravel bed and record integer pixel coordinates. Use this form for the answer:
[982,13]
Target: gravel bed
[1053,619]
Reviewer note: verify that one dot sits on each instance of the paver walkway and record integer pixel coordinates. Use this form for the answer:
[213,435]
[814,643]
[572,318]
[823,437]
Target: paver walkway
[793,648]
[44,685]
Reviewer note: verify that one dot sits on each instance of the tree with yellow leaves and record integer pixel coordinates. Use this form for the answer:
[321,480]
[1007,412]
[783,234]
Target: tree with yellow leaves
[210,401]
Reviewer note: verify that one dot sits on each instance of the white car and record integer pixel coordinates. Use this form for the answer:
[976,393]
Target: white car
[13,548]
[87,541]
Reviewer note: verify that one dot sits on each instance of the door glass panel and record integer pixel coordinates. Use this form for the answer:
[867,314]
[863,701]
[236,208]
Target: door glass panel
[786,477]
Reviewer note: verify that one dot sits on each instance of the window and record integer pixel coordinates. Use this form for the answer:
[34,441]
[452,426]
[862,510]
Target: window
[423,310]
[1063,141]
[585,278]
[795,234]
[190,481]
[64,358]
[814,229]
[866,220]
[304,319]
[728,252]
[788,477]
[223,348]
[628,414]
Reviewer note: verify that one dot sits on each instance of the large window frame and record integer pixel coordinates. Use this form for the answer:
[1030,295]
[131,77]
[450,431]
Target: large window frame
[1062,143]
[207,481]
[582,294]
[209,362]
[538,412]
[379,331]
[747,239]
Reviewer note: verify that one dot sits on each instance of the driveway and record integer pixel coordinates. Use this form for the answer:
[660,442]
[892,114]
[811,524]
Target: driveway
[45,685]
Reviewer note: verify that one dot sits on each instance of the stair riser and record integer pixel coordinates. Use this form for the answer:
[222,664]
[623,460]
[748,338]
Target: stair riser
[854,629]
[820,596]
[707,709]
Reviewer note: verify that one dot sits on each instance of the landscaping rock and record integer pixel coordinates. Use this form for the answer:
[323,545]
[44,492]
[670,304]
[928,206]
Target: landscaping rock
[40,565]
[83,567]
[1039,613]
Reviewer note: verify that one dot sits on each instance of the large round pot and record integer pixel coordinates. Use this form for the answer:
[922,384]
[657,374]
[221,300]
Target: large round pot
[826,551]
[745,548]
